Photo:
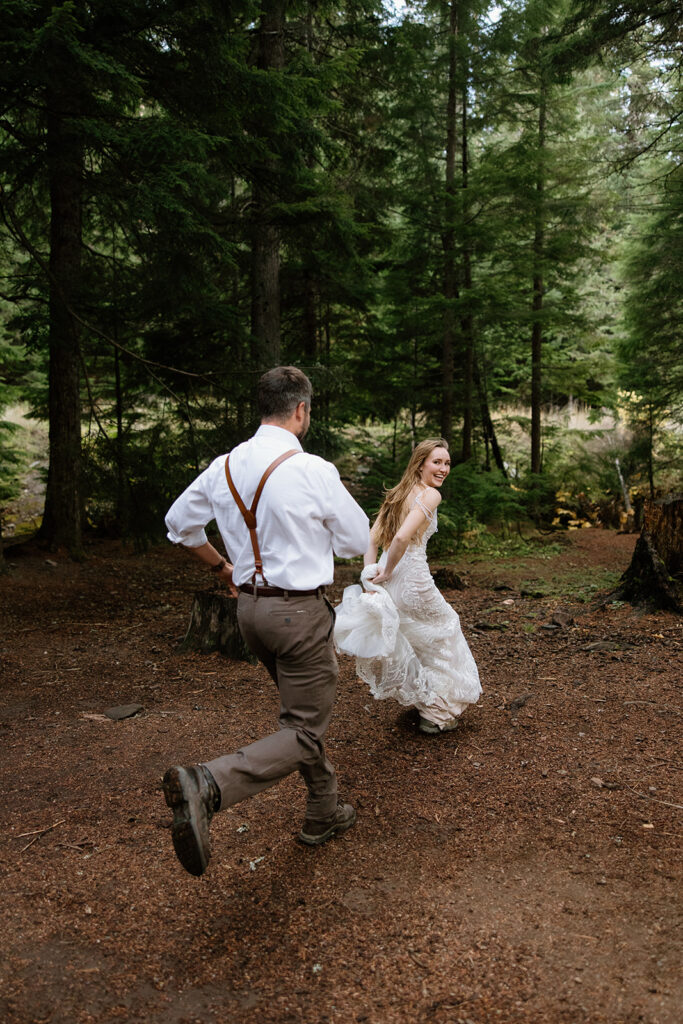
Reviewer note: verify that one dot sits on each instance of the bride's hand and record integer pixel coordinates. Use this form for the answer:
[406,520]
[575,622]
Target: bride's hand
[381,577]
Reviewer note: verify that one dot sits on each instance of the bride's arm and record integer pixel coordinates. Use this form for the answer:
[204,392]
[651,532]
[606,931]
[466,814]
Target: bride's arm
[412,523]
[370,555]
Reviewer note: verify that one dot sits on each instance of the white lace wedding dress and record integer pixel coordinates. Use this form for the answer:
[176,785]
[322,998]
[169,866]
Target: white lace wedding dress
[407,638]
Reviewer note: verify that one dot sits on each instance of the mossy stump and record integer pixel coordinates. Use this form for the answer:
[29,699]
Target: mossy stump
[446,578]
[655,575]
[213,627]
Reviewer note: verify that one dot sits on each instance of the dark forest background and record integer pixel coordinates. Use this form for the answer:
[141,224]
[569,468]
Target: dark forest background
[458,218]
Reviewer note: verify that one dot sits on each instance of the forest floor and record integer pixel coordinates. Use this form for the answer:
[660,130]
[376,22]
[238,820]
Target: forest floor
[521,869]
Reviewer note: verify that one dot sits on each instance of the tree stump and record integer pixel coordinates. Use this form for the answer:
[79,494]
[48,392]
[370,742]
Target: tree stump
[655,575]
[213,627]
[447,579]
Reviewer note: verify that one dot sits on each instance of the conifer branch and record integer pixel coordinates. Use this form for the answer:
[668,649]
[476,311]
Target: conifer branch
[15,228]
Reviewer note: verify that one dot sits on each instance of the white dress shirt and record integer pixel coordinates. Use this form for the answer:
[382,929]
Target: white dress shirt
[305,515]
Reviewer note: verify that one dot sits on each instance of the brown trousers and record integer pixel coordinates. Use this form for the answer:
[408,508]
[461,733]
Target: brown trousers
[293,639]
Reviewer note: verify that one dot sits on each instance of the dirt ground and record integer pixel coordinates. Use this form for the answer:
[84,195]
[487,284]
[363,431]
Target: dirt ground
[521,869]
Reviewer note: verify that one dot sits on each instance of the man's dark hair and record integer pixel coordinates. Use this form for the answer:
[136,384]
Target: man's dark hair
[280,390]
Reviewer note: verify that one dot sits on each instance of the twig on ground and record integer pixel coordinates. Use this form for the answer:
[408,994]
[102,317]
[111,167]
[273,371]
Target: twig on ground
[671,764]
[654,704]
[644,796]
[37,833]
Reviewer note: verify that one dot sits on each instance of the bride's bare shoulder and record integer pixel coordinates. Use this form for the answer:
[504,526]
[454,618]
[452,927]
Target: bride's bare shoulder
[431,498]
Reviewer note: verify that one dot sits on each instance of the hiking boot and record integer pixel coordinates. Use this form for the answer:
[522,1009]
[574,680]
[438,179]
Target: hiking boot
[193,796]
[431,728]
[315,833]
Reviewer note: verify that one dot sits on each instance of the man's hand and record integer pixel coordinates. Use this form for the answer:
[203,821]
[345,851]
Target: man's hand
[207,554]
[225,576]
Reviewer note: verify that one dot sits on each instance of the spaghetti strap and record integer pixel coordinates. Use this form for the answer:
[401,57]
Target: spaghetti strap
[421,505]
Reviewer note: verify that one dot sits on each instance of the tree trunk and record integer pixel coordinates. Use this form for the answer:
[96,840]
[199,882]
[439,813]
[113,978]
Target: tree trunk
[123,509]
[122,495]
[324,401]
[310,318]
[310,304]
[650,447]
[265,284]
[213,626]
[537,304]
[628,517]
[655,575]
[486,421]
[63,507]
[265,253]
[413,397]
[467,322]
[450,284]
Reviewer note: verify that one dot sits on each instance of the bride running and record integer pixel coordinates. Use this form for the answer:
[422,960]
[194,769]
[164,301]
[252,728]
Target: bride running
[423,661]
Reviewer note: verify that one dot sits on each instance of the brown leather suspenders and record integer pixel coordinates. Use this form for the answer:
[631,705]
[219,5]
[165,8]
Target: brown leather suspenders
[249,514]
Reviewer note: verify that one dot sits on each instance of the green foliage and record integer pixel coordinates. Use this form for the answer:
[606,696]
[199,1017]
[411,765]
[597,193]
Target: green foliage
[375,459]
[10,463]
[15,373]
[651,348]
[573,584]
[193,148]
[473,499]
[540,497]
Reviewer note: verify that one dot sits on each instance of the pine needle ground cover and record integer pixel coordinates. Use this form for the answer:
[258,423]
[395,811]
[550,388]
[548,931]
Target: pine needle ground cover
[522,869]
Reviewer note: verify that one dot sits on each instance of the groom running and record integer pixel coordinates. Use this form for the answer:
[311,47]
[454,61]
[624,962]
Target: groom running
[282,535]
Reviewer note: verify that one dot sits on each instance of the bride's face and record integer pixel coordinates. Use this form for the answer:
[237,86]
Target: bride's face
[435,468]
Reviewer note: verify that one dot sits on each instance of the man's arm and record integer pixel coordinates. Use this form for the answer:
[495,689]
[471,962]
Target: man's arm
[207,554]
[346,520]
[186,521]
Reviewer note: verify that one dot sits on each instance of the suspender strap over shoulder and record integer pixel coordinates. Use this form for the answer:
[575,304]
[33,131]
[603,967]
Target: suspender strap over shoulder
[249,514]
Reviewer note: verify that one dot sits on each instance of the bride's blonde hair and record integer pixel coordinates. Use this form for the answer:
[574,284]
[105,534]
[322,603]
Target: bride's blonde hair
[391,514]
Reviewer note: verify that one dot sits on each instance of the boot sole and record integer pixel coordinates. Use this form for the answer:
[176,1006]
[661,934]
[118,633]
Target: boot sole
[332,831]
[189,848]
